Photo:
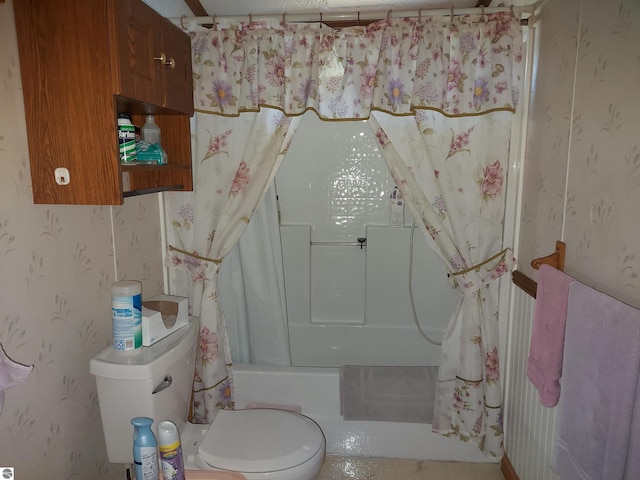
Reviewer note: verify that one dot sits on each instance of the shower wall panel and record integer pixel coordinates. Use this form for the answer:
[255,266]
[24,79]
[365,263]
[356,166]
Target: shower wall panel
[334,179]
[296,260]
[337,284]
[348,305]
[356,308]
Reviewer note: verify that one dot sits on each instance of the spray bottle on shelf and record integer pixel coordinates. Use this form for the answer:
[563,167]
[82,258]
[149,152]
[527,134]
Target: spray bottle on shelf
[145,449]
[170,451]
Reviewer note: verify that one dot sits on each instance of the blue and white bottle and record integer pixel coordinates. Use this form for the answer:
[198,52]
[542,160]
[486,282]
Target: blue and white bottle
[145,449]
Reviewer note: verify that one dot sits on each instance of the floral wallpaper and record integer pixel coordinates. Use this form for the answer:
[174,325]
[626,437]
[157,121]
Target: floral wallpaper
[57,264]
[582,172]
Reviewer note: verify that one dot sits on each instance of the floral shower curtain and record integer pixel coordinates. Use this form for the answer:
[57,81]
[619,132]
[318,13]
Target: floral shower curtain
[451,172]
[235,161]
[463,66]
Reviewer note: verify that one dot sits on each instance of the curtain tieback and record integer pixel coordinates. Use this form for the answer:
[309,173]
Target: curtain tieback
[477,267]
[189,254]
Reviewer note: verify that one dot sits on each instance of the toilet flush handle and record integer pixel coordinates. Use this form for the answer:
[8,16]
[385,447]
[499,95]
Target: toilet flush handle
[166,383]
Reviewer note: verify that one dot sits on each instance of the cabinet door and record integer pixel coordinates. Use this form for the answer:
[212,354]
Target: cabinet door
[139,46]
[178,79]
[65,64]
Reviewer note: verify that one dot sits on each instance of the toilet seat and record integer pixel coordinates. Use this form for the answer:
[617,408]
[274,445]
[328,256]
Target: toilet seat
[260,441]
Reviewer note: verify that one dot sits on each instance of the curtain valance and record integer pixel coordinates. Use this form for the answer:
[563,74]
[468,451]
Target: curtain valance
[466,65]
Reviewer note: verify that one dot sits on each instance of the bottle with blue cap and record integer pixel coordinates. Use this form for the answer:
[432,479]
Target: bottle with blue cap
[145,449]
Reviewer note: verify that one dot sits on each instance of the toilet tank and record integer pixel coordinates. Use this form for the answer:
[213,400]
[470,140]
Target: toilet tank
[126,381]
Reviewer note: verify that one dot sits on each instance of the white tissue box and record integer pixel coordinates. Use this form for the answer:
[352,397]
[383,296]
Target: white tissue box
[162,315]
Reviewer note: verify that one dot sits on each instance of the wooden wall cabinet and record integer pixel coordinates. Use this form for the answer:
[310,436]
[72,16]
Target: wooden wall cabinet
[83,63]
[154,57]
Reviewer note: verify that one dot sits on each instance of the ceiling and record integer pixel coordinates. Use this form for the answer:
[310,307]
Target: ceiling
[177,8]
[245,7]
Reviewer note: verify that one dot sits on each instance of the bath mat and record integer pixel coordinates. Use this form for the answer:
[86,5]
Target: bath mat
[388,394]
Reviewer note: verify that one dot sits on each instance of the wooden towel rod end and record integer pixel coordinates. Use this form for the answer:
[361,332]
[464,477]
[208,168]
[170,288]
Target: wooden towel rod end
[556,260]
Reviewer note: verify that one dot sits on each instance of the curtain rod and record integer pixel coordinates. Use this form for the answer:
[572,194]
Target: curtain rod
[354,16]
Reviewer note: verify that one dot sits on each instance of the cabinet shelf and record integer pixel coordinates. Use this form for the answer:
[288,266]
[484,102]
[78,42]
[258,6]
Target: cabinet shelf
[141,179]
[146,168]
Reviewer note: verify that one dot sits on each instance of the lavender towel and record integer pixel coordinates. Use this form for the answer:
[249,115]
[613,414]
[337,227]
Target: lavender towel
[547,334]
[599,403]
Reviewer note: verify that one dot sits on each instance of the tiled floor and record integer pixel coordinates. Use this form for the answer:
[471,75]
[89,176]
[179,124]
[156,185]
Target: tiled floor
[361,468]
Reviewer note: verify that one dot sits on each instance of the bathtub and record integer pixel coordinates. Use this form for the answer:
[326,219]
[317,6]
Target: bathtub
[317,391]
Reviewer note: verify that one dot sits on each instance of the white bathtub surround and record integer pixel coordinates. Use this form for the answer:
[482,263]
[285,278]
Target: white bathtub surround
[351,306]
[344,304]
[317,390]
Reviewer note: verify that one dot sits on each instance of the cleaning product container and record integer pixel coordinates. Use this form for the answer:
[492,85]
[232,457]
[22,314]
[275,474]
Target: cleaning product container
[151,131]
[145,449]
[152,382]
[126,312]
[126,139]
[170,451]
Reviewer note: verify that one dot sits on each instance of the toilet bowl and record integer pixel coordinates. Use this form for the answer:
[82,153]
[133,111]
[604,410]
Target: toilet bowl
[261,444]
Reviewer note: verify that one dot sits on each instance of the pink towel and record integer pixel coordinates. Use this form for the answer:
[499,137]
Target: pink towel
[547,335]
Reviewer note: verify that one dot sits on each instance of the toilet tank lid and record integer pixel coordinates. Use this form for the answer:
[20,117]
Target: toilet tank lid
[146,362]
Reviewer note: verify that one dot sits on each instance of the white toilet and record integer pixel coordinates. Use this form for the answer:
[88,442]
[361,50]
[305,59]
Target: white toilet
[155,382]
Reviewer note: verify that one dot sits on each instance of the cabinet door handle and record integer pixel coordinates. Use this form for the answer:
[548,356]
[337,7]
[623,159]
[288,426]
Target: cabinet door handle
[163,60]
